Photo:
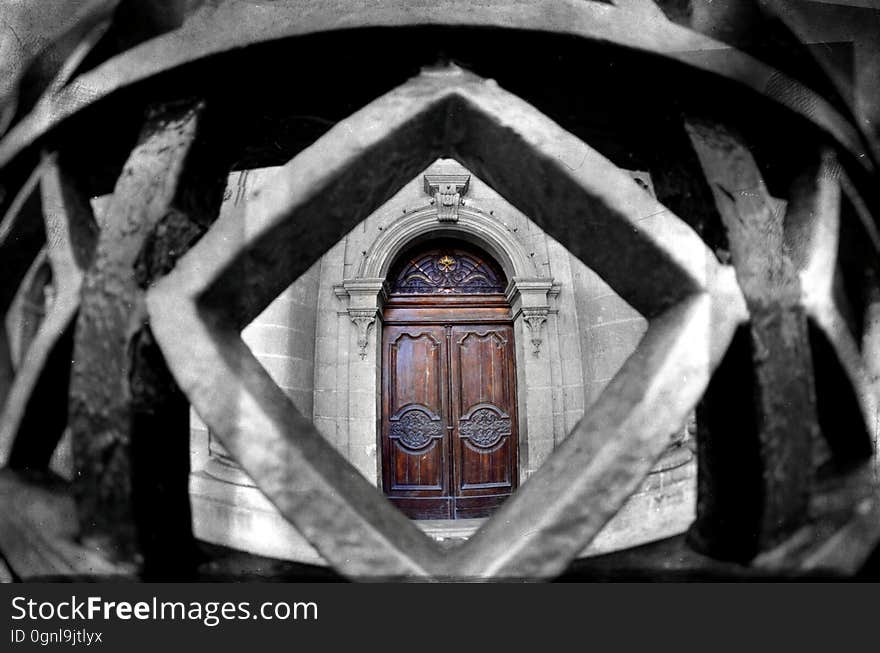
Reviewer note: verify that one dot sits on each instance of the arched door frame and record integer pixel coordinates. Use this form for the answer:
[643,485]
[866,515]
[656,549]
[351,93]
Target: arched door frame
[528,293]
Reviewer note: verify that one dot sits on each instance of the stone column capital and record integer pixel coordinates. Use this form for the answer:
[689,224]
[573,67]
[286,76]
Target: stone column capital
[362,292]
[530,291]
[529,299]
[364,297]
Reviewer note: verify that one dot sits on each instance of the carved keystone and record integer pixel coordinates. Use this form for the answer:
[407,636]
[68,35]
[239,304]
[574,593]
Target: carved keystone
[447,191]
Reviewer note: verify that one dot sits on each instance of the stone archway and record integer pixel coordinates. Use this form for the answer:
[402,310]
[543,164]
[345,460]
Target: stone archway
[528,293]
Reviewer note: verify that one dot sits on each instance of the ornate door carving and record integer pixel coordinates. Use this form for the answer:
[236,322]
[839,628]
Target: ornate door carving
[481,382]
[415,416]
[449,418]
[449,428]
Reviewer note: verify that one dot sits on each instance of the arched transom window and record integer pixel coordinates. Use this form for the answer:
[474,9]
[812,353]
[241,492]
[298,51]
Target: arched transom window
[446,268]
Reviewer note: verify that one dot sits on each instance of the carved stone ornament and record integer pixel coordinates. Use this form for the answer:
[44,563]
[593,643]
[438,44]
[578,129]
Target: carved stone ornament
[447,191]
[415,428]
[485,427]
[535,318]
[362,319]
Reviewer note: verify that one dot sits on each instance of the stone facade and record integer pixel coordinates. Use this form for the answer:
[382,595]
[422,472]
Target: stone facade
[320,341]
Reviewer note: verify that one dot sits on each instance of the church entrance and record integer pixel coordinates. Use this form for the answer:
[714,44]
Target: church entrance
[449,424]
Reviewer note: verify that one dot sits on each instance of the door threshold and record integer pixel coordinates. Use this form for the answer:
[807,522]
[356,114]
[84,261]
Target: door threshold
[450,531]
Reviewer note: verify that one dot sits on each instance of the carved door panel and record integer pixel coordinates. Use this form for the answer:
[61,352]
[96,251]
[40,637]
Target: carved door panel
[483,409]
[414,429]
[449,419]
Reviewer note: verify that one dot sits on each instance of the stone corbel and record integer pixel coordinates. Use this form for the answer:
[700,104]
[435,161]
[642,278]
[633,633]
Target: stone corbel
[535,317]
[531,299]
[364,298]
[447,191]
[363,319]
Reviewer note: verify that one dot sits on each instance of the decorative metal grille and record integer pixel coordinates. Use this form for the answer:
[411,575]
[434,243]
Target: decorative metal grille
[772,327]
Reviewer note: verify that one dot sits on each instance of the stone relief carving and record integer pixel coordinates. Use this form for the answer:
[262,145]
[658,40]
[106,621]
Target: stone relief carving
[484,427]
[535,318]
[415,428]
[363,319]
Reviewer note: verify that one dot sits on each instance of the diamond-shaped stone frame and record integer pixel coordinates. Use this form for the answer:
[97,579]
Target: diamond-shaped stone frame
[649,256]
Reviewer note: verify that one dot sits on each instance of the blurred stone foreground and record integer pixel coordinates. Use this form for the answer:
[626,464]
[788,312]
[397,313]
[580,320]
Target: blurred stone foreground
[28,27]
[36,36]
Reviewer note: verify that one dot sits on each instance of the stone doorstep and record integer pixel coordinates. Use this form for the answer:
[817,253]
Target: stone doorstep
[242,517]
[449,532]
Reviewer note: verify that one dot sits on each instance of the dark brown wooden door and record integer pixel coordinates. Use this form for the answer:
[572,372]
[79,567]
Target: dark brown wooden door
[449,434]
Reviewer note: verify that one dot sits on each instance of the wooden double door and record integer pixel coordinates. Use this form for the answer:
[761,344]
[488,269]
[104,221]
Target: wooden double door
[449,425]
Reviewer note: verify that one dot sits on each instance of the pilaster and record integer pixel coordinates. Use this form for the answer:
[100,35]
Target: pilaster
[365,298]
[529,299]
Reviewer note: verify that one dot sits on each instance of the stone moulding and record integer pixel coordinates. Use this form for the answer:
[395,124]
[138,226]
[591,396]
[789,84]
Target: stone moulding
[474,226]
